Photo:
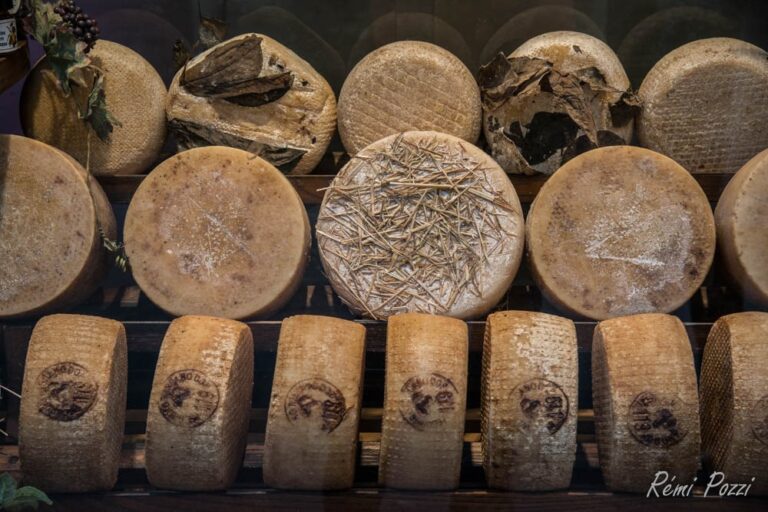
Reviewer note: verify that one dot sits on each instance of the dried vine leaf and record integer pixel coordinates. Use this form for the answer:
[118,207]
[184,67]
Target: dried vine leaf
[96,112]
[211,32]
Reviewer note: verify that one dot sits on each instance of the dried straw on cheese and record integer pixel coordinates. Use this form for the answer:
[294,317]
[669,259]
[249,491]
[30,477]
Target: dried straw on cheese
[421,222]
[645,399]
[135,96]
[620,230]
[705,104]
[50,214]
[199,409]
[424,402]
[529,401]
[73,404]
[734,399]
[311,436]
[408,85]
[217,231]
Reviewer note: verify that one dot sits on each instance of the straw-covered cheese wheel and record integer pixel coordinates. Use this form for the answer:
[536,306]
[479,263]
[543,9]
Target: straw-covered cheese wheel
[408,85]
[311,436]
[620,230]
[217,231]
[734,399]
[73,406]
[50,214]
[200,405]
[705,104]
[645,400]
[742,229]
[529,401]
[424,402]
[135,96]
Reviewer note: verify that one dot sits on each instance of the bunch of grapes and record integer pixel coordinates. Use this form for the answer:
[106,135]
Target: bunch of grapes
[83,27]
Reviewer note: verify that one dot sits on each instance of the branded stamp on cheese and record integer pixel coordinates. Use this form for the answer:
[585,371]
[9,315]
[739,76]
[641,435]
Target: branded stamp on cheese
[427,399]
[653,422]
[317,401]
[189,398]
[67,391]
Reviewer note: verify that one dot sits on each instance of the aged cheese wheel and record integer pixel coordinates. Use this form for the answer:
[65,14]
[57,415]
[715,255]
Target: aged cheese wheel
[620,230]
[50,246]
[421,222]
[741,217]
[529,401]
[200,405]
[705,104]
[252,93]
[408,85]
[645,400]
[424,402]
[734,399]
[135,96]
[311,436]
[73,406]
[217,231]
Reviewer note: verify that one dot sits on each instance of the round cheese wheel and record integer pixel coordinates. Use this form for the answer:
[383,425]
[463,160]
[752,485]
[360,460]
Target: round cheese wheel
[645,400]
[705,104]
[200,405]
[425,396]
[311,436]
[741,217]
[408,85]
[251,92]
[620,230]
[73,404]
[420,222]
[217,231]
[50,214]
[135,96]
[529,401]
[734,399]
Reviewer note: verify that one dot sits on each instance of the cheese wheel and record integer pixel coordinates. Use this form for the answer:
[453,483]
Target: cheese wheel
[734,399]
[73,404]
[286,112]
[217,231]
[311,436]
[425,396]
[200,405]
[645,400]
[408,85]
[705,104]
[420,222]
[529,401]
[741,217]
[50,214]
[135,96]
[620,230]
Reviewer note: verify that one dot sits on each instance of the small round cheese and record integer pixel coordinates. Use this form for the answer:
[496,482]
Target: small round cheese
[217,231]
[73,405]
[408,85]
[620,230]
[705,104]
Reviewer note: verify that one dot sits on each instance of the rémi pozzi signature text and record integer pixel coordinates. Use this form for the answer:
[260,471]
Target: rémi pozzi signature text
[664,486]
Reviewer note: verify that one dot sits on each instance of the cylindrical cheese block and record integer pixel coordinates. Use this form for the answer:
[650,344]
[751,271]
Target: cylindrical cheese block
[408,85]
[620,230]
[734,399]
[73,404]
[135,96]
[645,400]
[424,402]
[50,214]
[529,401]
[705,105]
[199,409]
[741,217]
[311,436]
[217,231]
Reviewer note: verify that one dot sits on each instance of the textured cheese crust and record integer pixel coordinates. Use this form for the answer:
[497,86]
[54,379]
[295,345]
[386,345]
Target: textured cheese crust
[311,436]
[73,406]
[424,402]
[199,409]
